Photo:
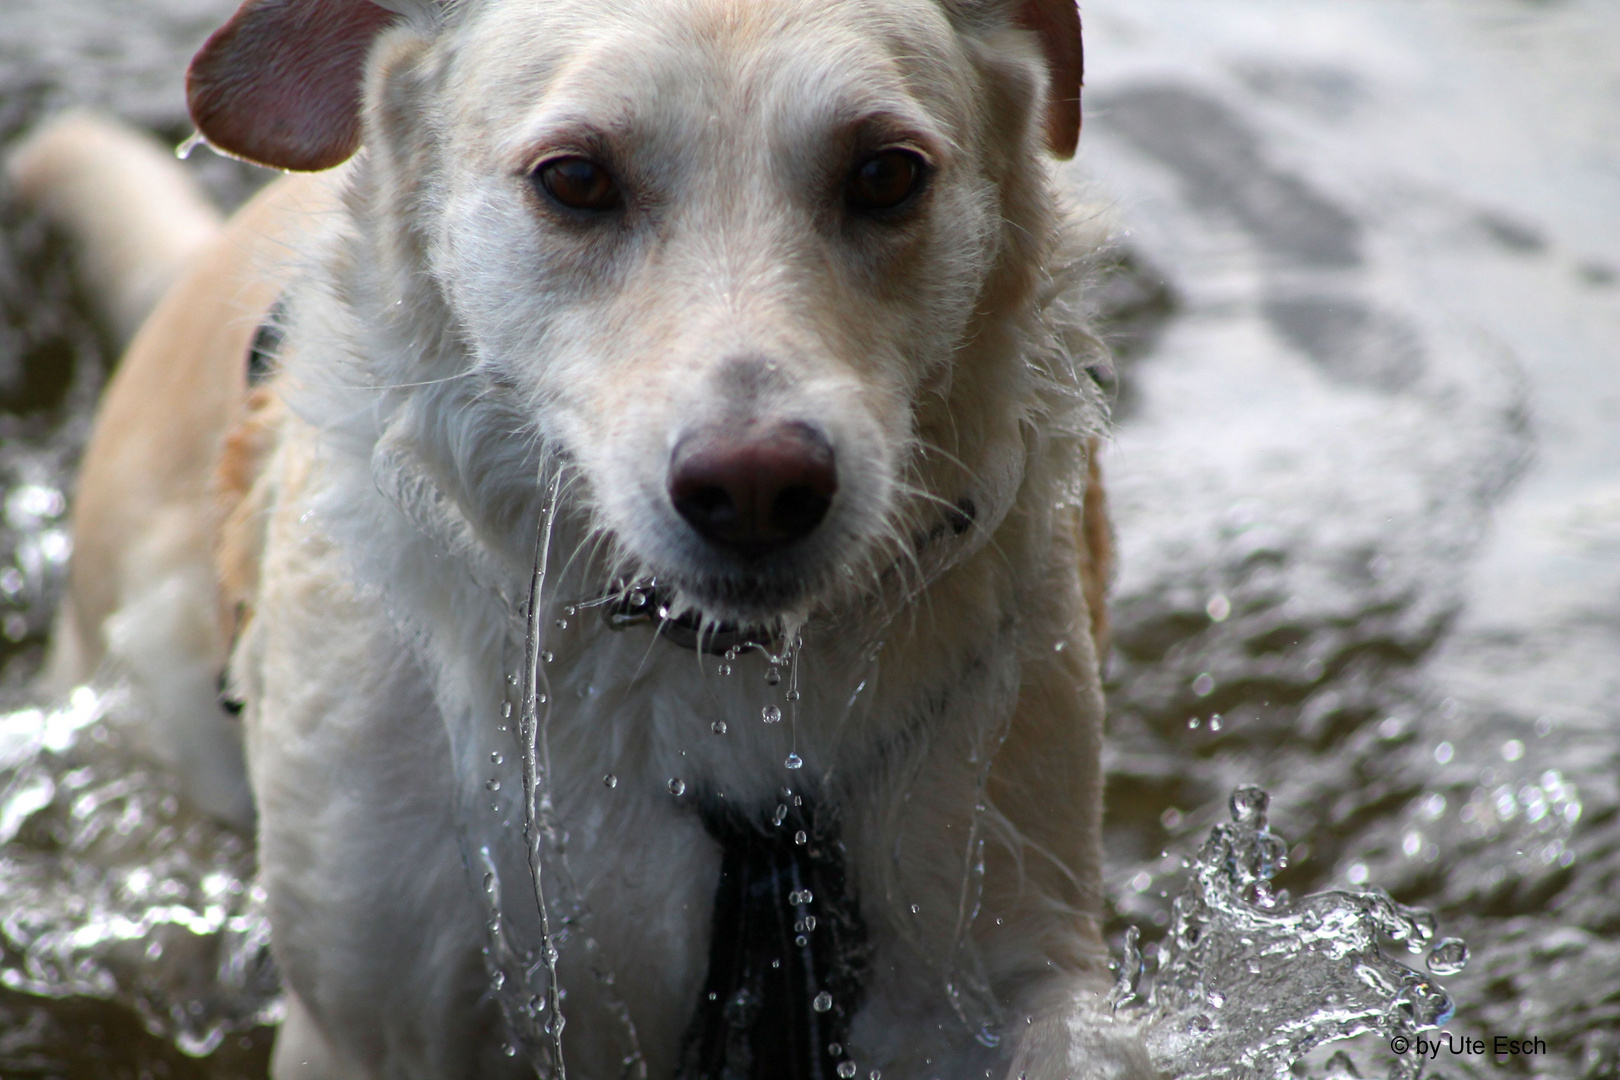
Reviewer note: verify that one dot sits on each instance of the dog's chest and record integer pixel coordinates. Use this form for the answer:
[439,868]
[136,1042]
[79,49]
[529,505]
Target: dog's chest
[703,884]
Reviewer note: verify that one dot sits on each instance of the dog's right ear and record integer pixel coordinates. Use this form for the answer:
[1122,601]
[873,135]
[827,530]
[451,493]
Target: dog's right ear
[280,83]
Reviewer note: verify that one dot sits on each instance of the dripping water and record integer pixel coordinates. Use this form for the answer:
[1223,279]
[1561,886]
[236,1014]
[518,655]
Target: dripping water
[534,718]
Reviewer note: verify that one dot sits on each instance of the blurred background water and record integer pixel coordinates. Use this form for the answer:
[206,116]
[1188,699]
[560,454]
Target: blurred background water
[1366,483]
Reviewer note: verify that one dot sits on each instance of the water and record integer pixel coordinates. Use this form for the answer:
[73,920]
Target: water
[126,914]
[1364,481]
[1248,982]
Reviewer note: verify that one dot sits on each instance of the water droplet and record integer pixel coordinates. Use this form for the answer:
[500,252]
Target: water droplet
[771,714]
[506,710]
[792,695]
[801,838]
[1204,685]
[1448,957]
[541,699]
[1443,753]
[779,815]
[801,941]
[718,727]
[822,1002]
[492,784]
[1248,805]
[548,656]
[809,922]
[489,882]
[875,1074]
[1219,608]
[772,676]
[638,598]
[835,1049]
[847,1069]
[511,680]
[562,624]
[498,979]
[1215,722]
[1194,723]
[508,1049]
[793,761]
[677,786]
[613,781]
[496,756]
[724,669]
[916,908]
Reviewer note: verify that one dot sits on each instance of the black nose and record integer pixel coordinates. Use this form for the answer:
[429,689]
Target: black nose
[756,489]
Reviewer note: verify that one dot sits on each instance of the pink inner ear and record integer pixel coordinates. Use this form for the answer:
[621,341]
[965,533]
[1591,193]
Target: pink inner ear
[280,83]
[1057,22]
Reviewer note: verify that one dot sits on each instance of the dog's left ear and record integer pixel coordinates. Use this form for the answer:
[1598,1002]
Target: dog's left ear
[279,84]
[1057,23]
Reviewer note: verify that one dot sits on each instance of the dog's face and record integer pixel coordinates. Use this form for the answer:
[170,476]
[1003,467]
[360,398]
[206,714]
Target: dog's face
[725,255]
[721,250]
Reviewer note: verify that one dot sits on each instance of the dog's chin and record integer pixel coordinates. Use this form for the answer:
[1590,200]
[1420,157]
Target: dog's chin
[714,601]
[760,596]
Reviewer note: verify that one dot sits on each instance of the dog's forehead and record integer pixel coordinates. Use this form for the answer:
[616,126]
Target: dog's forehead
[606,61]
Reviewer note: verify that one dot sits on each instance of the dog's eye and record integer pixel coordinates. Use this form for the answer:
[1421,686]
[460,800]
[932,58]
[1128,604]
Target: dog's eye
[885,180]
[578,183]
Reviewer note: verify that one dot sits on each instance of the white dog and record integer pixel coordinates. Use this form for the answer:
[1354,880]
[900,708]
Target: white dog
[751,325]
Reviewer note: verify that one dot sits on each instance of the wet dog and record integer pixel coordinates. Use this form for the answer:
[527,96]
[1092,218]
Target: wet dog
[706,375]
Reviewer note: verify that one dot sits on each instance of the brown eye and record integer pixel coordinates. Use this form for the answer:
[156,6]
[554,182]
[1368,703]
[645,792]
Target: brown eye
[885,180]
[578,183]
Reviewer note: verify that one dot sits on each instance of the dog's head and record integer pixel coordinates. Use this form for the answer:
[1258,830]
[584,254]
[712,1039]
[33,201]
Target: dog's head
[750,266]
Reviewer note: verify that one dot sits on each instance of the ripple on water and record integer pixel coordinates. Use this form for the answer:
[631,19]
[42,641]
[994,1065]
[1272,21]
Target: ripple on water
[116,891]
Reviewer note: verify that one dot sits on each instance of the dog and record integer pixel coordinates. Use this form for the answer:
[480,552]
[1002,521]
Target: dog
[639,495]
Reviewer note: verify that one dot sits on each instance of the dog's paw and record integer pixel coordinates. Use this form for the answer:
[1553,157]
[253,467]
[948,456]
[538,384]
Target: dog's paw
[1081,1044]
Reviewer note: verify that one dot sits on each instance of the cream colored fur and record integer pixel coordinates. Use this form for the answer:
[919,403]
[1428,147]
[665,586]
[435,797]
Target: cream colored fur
[453,349]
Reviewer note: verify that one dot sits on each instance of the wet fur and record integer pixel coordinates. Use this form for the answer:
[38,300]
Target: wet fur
[377,515]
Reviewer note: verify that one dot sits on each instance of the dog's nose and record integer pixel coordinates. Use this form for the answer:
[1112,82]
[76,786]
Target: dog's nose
[756,490]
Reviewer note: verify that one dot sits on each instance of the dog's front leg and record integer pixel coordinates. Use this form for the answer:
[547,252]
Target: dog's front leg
[1047,786]
[1080,1042]
[375,928]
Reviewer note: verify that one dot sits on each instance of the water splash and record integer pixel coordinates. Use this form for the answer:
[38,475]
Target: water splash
[117,891]
[1248,982]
